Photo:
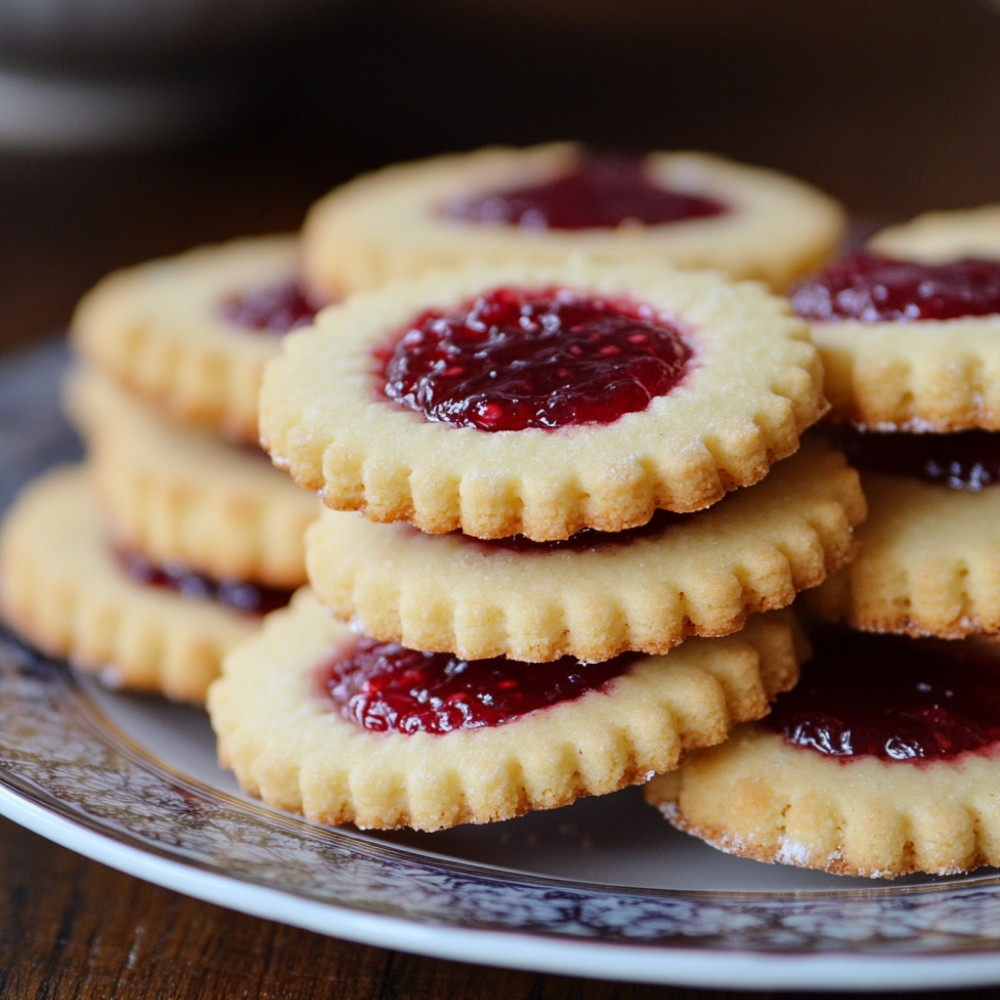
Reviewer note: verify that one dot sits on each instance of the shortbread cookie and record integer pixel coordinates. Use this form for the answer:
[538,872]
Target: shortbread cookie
[313,718]
[183,494]
[940,237]
[912,341]
[884,760]
[928,561]
[594,596]
[63,588]
[193,332]
[543,203]
[541,400]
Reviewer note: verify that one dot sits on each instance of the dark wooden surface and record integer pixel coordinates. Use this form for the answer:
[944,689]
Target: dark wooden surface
[893,106]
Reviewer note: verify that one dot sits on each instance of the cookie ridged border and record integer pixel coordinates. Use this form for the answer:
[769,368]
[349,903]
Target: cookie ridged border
[928,562]
[754,385]
[385,225]
[758,797]
[155,327]
[288,747]
[62,591]
[183,494]
[926,375]
[751,552]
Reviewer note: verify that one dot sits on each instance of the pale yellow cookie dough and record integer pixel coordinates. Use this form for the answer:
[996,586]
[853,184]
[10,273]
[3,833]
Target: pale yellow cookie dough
[63,590]
[940,237]
[183,494]
[926,375]
[702,574]
[755,383]
[928,562]
[760,797]
[388,224]
[289,746]
[157,328]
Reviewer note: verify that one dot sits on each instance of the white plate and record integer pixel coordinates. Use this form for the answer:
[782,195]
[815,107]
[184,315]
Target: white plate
[601,889]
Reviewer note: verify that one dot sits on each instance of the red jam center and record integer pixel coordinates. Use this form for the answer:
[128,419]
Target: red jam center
[602,192]
[968,460]
[514,359]
[892,697]
[383,687]
[274,309]
[238,595]
[871,288]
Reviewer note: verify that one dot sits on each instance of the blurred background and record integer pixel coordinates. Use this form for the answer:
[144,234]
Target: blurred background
[136,128]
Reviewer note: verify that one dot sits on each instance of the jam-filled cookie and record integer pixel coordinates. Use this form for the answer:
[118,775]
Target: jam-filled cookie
[68,590]
[193,332]
[543,203]
[928,561]
[594,595]
[541,400]
[909,328]
[182,494]
[883,760]
[316,719]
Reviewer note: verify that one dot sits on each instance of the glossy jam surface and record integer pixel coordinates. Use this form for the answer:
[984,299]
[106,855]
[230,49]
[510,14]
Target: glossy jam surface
[601,192]
[273,309]
[245,598]
[514,359]
[967,460]
[867,287]
[385,687]
[892,697]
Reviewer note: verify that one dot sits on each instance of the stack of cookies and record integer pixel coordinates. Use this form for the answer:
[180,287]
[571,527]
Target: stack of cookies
[536,578]
[567,498]
[883,760]
[151,559]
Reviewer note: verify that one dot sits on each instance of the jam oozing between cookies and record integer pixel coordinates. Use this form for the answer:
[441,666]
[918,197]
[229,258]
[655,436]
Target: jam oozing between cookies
[892,697]
[872,288]
[273,309]
[514,359]
[238,595]
[966,460]
[385,687]
[600,192]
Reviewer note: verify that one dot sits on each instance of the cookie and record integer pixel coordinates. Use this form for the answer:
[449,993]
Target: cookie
[911,341]
[193,332]
[928,561]
[541,400]
[594,596]
[939,237]
[541,204]
[883,761]
[180,493]
[295,735]
[65,591]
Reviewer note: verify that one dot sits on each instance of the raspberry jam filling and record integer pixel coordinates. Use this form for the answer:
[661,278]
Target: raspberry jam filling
[966,460]
[586,539]
[245,598]
[273,309]
[871,288]
[513,359]
[892,697]
[602,192]
[385,687]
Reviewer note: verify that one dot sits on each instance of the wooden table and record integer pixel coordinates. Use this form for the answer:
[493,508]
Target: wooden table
[394,82]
